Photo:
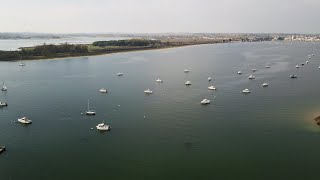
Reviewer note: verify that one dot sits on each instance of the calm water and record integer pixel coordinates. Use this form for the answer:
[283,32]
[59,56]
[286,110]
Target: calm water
[268,134]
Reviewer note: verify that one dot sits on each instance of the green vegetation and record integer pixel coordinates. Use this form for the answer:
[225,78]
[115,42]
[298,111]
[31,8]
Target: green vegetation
[99,47]
[45,52]
[130,42]
[9,55]
[53,50]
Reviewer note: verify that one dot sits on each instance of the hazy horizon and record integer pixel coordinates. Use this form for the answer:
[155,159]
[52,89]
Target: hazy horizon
[154,16]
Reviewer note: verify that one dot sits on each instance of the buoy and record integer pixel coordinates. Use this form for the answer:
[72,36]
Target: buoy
[144,116]
[91,128]
[119,105]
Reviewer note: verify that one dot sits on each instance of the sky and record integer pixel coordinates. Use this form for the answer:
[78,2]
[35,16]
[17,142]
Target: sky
[160,16]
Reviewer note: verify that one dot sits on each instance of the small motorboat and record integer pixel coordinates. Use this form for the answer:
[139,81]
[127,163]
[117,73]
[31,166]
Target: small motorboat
[186,70]
[267,67]
[293,76]
[3,104]
[297,66]
[265,84]
[188,83]
[159,80]
[246,91]
[319,67]
[212,88]
[309,57]
[25,120]
[2,149]
[205,101]
[103,90]
[120,74]
[103,127]
[307,62]
[251,77]
[312,54]
[22,64]
[302,64]
[239,72]
[254,70]
[148,91]
[209,78]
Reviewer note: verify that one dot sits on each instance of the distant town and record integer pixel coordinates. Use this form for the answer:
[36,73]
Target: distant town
[245,37]
[123,43]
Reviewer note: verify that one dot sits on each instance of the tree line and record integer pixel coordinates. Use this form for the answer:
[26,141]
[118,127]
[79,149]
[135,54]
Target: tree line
[50,50]
[129,42]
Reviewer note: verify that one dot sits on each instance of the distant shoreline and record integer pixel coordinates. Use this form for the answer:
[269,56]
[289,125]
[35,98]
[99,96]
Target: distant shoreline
[101,48]
[111,53]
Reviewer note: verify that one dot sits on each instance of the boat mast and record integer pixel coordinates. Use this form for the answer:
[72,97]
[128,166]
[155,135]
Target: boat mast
[88,105]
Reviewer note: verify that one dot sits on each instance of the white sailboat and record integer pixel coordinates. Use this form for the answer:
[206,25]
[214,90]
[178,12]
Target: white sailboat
[21,63]
[90,112]
[4,87]
[186,70]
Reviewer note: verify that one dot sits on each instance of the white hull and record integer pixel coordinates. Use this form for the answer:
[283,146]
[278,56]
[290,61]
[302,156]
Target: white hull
[251,77]
[90,113]
[246,91]
[103,90]
[205,102]
[148,91]
[103,127]
[3,104]
[23,121]
[159,81]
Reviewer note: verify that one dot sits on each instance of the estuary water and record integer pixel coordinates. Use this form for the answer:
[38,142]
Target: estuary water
[267,134]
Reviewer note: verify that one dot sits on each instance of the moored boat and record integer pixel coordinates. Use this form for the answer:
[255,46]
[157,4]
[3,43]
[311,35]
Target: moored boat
[25,120]
[103,127]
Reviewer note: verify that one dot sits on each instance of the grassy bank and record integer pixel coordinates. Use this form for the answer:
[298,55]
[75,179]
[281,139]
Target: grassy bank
[96,48]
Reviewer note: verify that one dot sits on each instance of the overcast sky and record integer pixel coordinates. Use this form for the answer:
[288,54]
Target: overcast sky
[157,16]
